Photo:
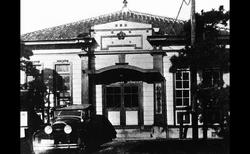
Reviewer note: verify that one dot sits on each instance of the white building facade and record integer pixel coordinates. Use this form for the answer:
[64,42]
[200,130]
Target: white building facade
[122,75]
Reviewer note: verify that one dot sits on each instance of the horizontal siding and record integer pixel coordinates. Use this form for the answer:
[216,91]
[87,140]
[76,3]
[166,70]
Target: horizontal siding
[76,79]
[148,104]
[99,99]
[169,89]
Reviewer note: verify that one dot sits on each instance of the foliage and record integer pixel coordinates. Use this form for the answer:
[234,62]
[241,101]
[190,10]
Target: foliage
[36,93]
[214,107]
[32,98]
[205,54]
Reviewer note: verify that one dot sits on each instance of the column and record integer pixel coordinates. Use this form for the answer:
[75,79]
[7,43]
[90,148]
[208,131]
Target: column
[160,116]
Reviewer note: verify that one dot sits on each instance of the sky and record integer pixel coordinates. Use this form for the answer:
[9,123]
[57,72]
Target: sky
[40,14]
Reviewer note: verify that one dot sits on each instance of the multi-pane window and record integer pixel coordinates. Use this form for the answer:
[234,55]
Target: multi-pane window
[131,96]
[113,97]
[122,96]
[182,96]
[63,76]
[182,88]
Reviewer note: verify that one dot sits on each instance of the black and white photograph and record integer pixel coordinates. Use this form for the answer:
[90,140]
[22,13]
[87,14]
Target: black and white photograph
[124,76]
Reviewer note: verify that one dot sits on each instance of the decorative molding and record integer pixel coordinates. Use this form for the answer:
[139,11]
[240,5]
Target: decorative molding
[121,35]
[121,45]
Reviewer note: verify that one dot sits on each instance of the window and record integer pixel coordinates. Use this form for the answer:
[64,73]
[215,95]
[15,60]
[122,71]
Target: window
[131,96]
[121,103]
[211,77]
[63,80]
[182,114]
[182,88]
[122,95]
[182,96]
[113,97]
[62,68]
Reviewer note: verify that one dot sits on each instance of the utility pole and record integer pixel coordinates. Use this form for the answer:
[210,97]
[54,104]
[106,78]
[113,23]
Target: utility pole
[193,24]
[193,71]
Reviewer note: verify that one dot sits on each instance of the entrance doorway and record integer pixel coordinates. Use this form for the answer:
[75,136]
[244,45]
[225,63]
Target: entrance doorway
[123,103]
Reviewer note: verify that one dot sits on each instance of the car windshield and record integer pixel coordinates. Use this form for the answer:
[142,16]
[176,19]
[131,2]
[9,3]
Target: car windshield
[70,113]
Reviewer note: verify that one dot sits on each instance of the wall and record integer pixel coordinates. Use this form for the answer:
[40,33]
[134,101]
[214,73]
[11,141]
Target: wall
[102,61]
[169,88]
[99,105]
[148,104]
[49,57]
[135,36]
[144,61]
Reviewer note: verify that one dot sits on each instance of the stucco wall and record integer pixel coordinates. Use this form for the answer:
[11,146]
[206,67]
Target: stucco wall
[102,61]
[144,61]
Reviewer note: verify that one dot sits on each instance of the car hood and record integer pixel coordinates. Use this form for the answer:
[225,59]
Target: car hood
[67,120]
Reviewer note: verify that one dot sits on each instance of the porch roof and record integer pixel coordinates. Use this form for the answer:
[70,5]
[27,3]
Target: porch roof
[124,72]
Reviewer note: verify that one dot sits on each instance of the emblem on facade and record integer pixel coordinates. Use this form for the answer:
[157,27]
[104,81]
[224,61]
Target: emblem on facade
[121,35]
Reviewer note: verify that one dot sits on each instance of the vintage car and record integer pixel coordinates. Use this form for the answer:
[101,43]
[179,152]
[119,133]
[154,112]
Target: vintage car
[74,126]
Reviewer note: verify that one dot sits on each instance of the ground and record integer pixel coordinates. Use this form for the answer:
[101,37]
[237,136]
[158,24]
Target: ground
[160,146]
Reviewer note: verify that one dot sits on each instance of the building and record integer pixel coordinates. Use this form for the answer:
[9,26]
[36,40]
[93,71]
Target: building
[108,61]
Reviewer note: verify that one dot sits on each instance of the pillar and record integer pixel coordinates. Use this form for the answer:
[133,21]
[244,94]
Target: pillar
[160,118]
[88,84]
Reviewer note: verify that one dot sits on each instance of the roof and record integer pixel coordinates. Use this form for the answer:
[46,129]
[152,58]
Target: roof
[72,30]
[76,107]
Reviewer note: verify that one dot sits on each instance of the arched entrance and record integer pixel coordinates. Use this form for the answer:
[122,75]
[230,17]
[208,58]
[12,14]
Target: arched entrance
[122,90]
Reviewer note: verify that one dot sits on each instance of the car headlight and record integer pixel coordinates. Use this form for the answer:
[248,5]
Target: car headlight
[67,129]
[48,129]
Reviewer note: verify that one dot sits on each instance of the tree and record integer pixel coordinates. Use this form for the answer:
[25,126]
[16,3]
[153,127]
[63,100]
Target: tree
[205,54]
[55,85]
[31,96]
[37,92]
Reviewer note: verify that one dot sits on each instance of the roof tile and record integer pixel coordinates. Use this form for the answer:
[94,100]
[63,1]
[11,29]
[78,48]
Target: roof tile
[72,30]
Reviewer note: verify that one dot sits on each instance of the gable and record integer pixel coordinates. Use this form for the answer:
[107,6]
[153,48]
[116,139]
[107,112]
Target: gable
[122,35]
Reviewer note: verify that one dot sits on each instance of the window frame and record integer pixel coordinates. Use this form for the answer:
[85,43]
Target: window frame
[182,89]
[212,72]
[70,74]
[122,87]
[184,123]
[122,109]
[182,107]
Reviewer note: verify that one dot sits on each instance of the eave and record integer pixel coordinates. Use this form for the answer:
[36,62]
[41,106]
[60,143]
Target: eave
[172,40]
[77,43]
